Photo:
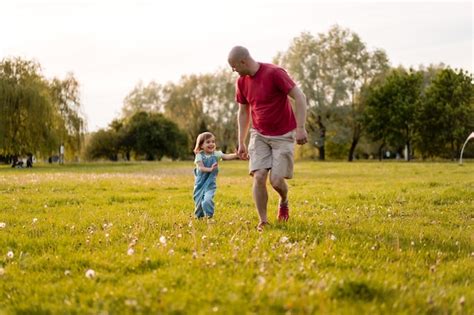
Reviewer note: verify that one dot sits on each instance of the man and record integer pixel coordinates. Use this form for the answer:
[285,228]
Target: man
[262,93]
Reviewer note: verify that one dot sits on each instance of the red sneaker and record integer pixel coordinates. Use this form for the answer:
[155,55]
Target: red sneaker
[283,212]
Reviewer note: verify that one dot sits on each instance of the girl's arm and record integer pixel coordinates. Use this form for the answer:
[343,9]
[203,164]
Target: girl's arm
[230,156]
[204,169]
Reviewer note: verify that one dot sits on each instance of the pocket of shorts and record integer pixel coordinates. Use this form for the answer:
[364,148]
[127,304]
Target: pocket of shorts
[251,147]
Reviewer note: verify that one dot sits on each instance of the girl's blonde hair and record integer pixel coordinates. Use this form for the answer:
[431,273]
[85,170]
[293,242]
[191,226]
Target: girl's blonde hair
[201,139]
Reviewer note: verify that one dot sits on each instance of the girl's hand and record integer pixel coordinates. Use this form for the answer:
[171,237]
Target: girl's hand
[214,166]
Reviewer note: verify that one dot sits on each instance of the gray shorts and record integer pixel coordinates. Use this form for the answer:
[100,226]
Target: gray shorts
[272,152]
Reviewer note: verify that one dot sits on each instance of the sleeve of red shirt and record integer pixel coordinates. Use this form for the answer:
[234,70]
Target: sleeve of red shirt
[239,97]
[283,80]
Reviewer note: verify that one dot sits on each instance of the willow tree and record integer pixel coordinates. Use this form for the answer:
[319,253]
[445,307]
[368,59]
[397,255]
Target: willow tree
[36,115]
[27,120]
[332,70]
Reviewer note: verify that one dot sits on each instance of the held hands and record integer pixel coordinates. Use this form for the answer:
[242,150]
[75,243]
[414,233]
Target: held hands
[301,136]
[242,152]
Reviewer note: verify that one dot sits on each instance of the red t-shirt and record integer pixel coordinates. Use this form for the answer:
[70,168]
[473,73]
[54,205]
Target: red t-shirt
[267,94]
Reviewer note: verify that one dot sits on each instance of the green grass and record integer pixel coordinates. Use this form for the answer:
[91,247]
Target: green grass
[368,238]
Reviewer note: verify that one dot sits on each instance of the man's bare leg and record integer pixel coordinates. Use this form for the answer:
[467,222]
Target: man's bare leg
[279,184]
[260,194]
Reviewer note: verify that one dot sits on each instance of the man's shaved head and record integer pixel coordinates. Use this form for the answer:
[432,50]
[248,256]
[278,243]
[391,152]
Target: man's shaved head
[241,62]
[238,53]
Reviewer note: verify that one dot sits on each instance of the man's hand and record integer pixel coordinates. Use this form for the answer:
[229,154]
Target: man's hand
[301,136]
[242,152]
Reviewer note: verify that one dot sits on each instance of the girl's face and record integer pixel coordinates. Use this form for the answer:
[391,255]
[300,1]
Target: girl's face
[209,145]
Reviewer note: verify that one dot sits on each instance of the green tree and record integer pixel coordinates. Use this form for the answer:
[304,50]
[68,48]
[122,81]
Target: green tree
[391,106]
[103,144]
[155,136]
[446,115]
[332,69]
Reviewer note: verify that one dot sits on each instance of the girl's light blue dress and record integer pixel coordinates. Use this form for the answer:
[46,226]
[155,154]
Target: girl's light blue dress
[205,185]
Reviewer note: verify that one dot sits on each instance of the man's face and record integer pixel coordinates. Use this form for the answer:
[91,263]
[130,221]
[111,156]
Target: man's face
[239,66]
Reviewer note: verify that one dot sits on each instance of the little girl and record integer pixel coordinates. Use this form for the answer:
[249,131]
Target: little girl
[206,172]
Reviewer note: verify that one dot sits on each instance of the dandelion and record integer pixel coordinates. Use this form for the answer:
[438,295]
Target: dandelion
[320,223]
[171,252]
[35,220]
[203,237]
[180,235]
[215,309]
[107,235]
[131,302]
[195,255]
[412,243]
[67,272]
[333,237]
[90,274]
[130,251]
[2,225]
[10,254]
[133,242]
[2,271]
[164,290]
[462,300]
[284,239]
[261,280]
[163,240]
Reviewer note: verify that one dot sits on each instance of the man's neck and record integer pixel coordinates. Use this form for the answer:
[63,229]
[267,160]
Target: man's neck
[255,68]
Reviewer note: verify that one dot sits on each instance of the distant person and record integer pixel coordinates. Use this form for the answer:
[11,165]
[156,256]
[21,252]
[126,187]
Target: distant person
[29,161]
[61,154]
[262,92]
[205,173]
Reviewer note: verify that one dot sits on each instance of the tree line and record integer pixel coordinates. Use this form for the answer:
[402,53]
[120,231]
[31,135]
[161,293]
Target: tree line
[358,105]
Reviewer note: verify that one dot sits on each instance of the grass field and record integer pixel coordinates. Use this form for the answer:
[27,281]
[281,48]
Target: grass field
[367,238]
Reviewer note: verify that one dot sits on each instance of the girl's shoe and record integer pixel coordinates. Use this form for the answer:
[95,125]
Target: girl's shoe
[261,226]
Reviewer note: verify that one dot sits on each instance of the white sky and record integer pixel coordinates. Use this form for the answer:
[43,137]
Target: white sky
[111,45]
